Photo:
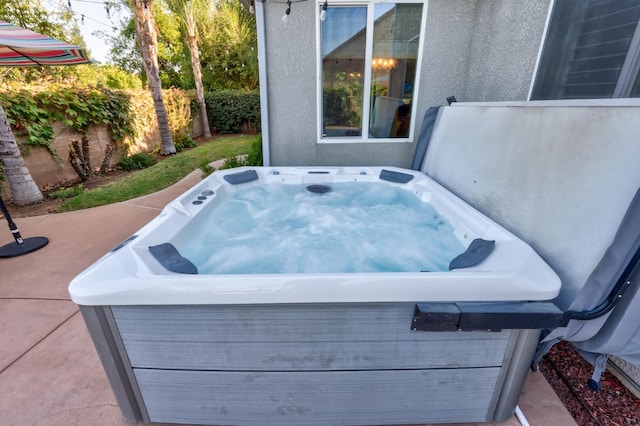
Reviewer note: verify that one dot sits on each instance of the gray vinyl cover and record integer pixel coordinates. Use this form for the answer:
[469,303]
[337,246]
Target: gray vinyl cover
[561,175]
[618,332]
[428,123]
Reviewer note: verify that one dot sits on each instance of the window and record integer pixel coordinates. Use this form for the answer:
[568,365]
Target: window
[592,50]
[368,65]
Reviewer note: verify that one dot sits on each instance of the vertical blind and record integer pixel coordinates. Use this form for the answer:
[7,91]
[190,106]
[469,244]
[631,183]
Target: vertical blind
[592,50]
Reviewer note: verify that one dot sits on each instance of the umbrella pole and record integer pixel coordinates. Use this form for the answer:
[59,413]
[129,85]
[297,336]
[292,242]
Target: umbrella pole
[21,246]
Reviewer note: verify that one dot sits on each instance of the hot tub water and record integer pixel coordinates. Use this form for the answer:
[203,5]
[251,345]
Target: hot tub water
[244,348]
[354,227]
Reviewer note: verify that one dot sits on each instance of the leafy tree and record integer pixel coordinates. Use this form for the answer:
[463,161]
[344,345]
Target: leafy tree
[148,42]
[173,63]
[173,56]
[229,47]
[58,23]
[118,79]
[226,38]
[106,76]
[32,15]
[23,188]
[124,52]
[184,10]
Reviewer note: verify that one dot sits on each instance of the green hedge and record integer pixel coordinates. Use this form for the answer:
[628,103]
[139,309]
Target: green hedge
[231,110]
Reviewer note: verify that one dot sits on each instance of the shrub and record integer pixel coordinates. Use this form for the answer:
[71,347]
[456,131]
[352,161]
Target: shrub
[178,105]
[141,160]
[253,157]
[230,110]
[206,168]
[117,78]
[66,192]
[182,141]
[232,161]
[105,76]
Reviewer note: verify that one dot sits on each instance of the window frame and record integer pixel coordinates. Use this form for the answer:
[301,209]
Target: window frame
[545,87]
[366,102]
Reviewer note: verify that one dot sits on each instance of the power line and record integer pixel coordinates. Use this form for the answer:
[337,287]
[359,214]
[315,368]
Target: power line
[82,16]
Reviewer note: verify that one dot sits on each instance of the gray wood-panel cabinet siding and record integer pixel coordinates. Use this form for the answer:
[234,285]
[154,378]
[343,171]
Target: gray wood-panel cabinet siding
[308,364]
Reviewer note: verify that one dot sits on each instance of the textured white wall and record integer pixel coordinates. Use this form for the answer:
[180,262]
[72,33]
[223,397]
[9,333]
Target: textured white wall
[504,49]
[470,51]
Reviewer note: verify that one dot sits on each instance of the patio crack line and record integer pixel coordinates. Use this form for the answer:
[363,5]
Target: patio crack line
[142,207]
[39,341]
[57,413]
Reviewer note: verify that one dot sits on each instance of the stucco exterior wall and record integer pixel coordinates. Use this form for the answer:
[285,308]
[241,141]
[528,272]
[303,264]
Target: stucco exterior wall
[445,58]
[291,69]
[477,50]
[504,49]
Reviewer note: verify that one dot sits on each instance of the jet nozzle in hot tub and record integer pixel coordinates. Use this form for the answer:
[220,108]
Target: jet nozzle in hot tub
[319,189]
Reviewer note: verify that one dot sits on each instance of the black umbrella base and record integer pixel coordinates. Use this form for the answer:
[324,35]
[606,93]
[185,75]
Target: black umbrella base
[29,245]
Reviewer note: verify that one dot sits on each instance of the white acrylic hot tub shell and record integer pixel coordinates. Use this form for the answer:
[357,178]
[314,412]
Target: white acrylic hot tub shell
[131,276]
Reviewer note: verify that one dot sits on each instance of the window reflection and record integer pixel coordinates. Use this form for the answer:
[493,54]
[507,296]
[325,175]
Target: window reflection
[396,36]
[392,65]
[343,54]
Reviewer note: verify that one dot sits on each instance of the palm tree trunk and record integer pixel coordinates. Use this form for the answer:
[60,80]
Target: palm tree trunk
[192,44]
[23,188]
[148,41]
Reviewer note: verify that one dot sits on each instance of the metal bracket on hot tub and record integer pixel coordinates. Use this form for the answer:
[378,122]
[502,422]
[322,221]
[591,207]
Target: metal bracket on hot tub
[487,316]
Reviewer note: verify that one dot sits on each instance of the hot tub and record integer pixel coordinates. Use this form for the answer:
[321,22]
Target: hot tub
[334,347]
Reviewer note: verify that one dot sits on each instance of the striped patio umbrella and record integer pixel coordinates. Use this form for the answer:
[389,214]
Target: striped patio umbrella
[23,48]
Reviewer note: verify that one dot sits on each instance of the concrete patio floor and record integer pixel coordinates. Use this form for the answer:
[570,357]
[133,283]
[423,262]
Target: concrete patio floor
[50,373]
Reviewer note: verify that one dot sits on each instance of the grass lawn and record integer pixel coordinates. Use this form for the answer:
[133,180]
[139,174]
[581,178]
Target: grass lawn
[161,175]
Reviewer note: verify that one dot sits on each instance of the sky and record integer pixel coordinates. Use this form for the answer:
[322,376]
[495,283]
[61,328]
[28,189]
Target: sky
[95,19]
[344,22]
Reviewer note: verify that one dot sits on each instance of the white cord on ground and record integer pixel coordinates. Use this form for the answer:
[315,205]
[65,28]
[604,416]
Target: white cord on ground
[521,417]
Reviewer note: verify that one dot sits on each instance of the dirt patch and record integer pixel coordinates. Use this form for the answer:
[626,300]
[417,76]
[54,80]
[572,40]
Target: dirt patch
[567,373]
[51,205]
